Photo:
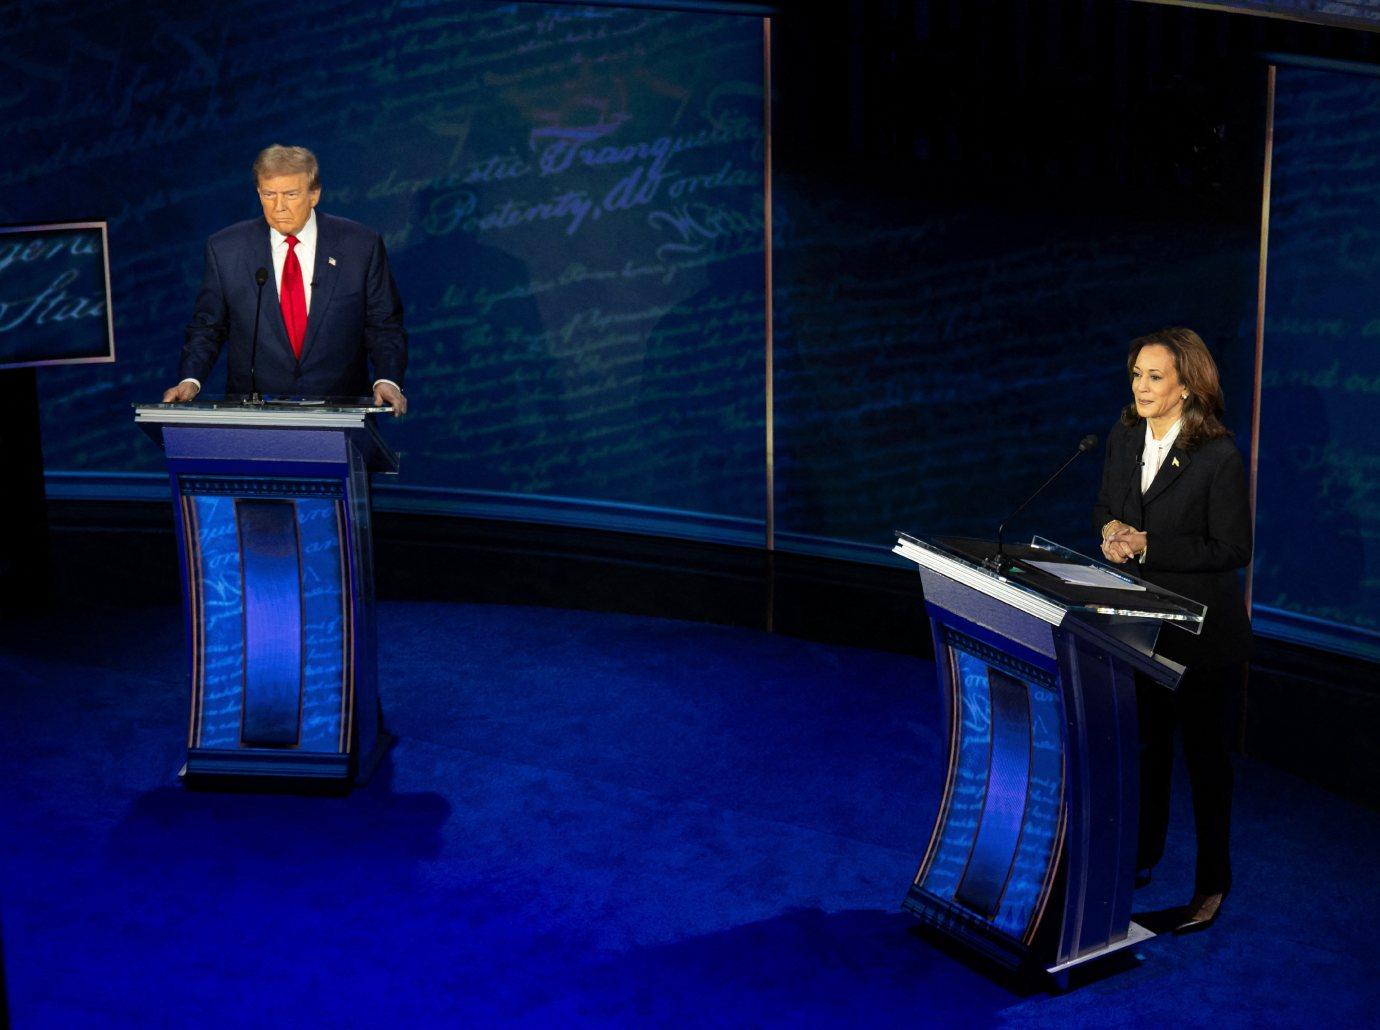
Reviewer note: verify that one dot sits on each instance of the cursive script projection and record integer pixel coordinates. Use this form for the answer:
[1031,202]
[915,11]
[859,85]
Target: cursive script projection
[572,199]
[935,362]
[52,295]
[1318,490]
[1358,13]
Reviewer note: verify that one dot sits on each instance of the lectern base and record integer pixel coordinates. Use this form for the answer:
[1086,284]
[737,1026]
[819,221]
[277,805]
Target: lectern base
[1135,934]
[371,761]
[206,762]
[216,767]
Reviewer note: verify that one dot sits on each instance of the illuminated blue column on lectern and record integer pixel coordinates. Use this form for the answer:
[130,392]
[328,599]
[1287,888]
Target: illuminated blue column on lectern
[1032,857]
[272,511]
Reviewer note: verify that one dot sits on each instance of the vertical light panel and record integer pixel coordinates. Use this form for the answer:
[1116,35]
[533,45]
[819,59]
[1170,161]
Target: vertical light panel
[217,718]
[767,265]
[1261,282]
[272,591]
[325,621]
[1003,810]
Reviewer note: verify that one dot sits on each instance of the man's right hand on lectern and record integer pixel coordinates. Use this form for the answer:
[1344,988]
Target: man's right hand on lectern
[181,393]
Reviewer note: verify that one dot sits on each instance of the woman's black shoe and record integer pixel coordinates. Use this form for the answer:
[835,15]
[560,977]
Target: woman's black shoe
[1201,913]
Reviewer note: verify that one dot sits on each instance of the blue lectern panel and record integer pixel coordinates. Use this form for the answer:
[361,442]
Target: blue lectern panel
[272,628]
[272,622]
[325,691]
[965,798]
[995,850]
[1032,866]
[220,591]
[1003,809]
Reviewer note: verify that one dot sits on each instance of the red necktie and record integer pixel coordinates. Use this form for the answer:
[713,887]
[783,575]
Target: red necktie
[293,298]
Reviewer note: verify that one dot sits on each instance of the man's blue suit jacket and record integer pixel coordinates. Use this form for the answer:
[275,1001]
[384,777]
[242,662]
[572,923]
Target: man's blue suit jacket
[355,319]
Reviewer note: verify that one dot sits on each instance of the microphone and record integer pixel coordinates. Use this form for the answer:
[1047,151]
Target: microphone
[1084,445]
[260,277]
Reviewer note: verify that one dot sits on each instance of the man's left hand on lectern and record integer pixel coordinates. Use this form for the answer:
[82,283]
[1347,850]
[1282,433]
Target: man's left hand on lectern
[387,393]
[181,393]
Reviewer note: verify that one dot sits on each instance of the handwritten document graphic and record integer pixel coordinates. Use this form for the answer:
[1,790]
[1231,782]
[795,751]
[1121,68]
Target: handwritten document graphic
[52,295]
[572,200]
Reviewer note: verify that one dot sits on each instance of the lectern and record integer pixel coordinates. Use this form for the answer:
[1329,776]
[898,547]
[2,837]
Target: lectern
[1032,857]
[272,511]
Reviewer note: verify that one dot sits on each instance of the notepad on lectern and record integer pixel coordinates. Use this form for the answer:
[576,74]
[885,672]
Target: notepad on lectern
[1086,575]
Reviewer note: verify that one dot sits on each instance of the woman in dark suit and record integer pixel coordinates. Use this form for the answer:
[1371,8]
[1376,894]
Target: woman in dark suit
[1174,502]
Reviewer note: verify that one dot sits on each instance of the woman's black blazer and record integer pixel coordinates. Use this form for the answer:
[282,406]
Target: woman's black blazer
[1197,520]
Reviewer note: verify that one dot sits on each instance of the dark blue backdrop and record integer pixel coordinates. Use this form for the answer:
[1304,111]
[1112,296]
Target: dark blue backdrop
[1317,570]
[573,198]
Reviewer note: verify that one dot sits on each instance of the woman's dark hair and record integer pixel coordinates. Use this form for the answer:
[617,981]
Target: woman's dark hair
[1203,408]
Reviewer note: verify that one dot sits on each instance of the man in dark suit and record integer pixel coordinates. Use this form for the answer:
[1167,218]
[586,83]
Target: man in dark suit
[329,310]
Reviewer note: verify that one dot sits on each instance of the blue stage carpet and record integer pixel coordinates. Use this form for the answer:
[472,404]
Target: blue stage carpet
[588,819]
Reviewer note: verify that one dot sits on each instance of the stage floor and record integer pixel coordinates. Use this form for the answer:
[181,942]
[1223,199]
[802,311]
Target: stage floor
[587,819]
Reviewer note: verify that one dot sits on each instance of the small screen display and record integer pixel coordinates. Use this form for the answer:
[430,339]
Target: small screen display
[55,295]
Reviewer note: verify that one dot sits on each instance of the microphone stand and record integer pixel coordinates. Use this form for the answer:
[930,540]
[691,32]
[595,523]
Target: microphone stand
[260,277]
[995,562]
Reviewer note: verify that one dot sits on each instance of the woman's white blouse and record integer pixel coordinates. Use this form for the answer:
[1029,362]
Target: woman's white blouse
[1152,457]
